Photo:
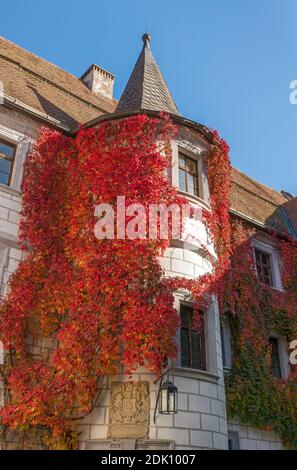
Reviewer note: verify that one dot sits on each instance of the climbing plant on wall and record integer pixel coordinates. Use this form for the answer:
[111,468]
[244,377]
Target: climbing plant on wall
[102,303]
[253,394]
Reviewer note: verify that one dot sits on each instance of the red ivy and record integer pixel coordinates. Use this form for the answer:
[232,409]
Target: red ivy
[106,303]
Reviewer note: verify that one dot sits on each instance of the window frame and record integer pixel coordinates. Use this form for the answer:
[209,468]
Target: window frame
[22,143]
[195,175]
[226,344]
[202,342]
[12,160]
[195,152]
[211,374]
[283,356]
[274,262]
[260,266]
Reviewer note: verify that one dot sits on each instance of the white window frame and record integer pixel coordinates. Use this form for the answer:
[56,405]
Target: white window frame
[211,366]
[196,153]
[22,144]
[274,261]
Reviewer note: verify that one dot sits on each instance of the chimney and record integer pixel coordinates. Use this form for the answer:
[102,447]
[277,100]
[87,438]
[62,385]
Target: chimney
[287,195]
[99,81]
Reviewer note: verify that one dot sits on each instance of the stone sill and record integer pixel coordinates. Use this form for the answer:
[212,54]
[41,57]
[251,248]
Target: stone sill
[195,374]
[195,199]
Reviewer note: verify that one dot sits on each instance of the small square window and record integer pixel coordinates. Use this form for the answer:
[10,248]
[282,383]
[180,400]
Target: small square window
[263,264]
[7,153]
[191,341]
[188,175]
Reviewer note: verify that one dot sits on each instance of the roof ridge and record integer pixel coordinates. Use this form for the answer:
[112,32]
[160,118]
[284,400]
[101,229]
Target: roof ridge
[54,84]
[37,57]
[51,82]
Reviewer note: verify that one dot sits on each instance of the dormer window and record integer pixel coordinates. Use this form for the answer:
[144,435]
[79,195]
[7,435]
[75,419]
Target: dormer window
[7,153]
[263,264]
[188,175]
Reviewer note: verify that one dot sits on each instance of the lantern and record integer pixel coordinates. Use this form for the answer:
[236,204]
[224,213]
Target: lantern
[168,398]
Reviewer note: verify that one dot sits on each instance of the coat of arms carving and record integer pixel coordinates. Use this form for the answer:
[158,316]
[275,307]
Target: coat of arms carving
[129,410]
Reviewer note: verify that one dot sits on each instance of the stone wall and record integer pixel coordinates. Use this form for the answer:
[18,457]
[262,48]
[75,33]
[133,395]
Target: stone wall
[201,420]
[21,130]
[251,438]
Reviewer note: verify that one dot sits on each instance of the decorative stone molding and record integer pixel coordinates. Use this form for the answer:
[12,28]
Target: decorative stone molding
[129,444]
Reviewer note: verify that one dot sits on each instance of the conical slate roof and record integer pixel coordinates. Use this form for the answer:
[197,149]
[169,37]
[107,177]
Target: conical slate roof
[146,88]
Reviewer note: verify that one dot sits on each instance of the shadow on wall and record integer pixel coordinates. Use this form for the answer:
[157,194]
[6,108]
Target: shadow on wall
[54,111]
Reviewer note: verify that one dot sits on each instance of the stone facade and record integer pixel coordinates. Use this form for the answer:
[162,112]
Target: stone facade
[201,421]
[251,438]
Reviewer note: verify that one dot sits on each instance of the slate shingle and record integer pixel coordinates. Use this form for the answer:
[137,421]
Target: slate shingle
[146,88]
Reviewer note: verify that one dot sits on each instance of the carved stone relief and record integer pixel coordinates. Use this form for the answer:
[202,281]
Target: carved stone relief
[129,410]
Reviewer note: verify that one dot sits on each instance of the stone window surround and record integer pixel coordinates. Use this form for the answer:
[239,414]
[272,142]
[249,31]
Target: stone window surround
[282,352]
[195,153]
[275,261]
[282,349]
[211,372]
[22,144]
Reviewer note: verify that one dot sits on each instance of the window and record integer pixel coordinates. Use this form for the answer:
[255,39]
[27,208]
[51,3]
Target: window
[275,358]
[191,341]
[7,153]
[187,175]
[233,440]
[226,341]
[263,264]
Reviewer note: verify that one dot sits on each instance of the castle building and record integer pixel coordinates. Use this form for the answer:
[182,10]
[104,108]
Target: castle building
[38,93]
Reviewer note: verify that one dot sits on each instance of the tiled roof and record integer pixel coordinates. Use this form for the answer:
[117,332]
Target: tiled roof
[50,90]
[146,88]
[47,88]
[257,202]
[289,210]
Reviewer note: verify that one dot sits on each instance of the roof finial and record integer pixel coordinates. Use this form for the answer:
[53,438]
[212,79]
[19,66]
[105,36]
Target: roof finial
[146,39]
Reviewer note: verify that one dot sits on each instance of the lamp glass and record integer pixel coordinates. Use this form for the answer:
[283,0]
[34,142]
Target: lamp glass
[168,399]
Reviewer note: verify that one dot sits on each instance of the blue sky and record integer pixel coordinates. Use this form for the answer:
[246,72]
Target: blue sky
[228,63]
